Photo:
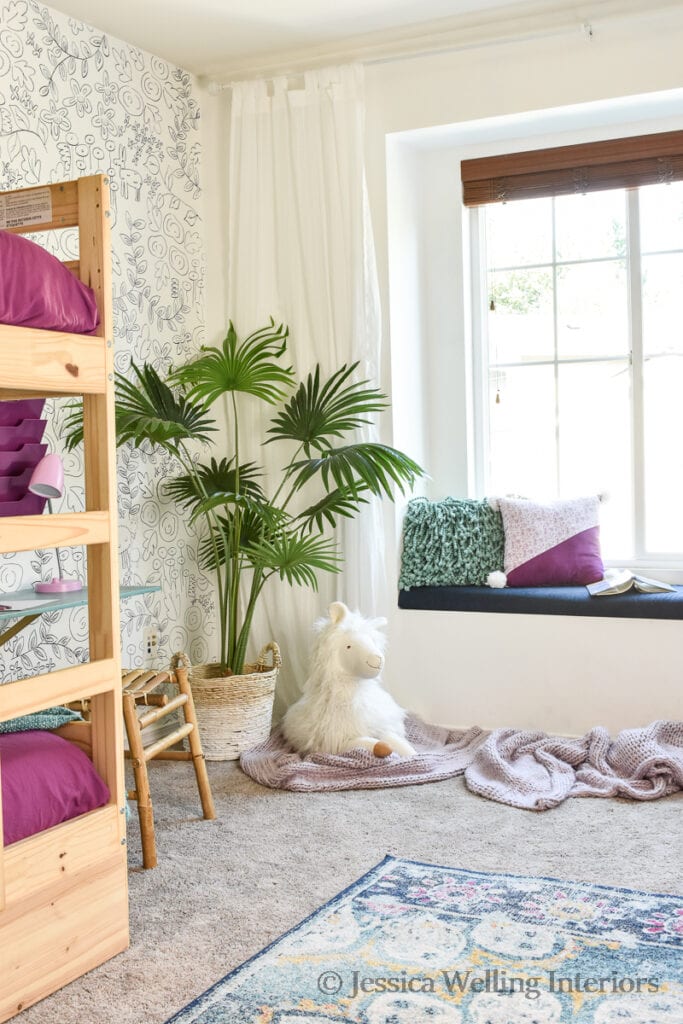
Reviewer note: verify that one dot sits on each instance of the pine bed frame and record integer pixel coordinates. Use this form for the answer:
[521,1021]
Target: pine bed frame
[63,892]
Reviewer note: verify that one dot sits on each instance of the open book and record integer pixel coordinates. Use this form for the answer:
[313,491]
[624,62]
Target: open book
[620,582]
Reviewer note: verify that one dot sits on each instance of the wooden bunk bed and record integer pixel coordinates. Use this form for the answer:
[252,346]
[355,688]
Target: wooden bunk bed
[63,891]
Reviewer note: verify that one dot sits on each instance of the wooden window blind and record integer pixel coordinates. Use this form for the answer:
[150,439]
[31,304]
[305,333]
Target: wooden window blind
[567,170]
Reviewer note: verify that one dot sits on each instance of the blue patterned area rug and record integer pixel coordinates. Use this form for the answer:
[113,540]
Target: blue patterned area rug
[413,943]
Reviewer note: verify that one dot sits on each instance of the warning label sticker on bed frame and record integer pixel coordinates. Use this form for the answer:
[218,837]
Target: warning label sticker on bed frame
[24,208]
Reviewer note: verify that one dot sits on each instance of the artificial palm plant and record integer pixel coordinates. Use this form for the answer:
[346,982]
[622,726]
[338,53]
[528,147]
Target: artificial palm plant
[255,528]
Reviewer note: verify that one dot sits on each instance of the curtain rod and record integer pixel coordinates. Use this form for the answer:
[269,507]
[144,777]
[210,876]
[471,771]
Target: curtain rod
[585,28]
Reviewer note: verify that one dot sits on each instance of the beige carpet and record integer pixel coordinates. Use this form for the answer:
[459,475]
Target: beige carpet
[224,889]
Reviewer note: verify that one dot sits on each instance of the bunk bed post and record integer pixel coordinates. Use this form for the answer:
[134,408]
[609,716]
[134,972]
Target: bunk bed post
[100,491]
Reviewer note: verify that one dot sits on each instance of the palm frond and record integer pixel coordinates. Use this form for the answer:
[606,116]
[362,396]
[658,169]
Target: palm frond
[358,467]
[189,490]
[318,412]
[271,515]
[147,409]
[254,526]
[296,557]
[206,552]
[339,502]
[73,424]
[251,366]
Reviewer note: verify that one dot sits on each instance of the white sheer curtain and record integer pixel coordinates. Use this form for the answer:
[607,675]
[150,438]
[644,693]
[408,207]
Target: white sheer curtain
[301,248]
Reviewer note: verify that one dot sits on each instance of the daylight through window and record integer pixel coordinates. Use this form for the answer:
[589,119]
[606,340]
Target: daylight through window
[579,346]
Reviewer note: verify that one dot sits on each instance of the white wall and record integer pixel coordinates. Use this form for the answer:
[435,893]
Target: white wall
[557,673]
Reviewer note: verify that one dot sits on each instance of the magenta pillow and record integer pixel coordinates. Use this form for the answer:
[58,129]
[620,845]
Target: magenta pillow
[45,780]
[554,544]
[36,290]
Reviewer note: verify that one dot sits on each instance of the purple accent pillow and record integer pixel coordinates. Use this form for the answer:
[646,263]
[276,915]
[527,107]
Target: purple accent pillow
[45,780]
[554,544]
[36,290]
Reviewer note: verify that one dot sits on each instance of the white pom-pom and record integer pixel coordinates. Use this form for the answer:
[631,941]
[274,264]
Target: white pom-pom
[497,580]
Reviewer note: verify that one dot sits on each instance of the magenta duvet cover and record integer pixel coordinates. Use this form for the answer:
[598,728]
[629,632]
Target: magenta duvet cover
[45,780]
[36,290]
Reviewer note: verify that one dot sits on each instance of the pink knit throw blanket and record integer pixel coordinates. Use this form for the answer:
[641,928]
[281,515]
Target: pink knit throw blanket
[523,769]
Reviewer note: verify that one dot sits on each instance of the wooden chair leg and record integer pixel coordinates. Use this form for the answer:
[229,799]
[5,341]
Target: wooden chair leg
[198,759]
[144,798]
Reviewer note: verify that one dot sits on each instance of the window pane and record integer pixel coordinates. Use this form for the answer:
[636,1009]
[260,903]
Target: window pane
[521,324]
[522,431]
[662,285]
[595,446]
[661,217]
[558,276]
[519,234]
[590,226]
[663,454]
[592,312]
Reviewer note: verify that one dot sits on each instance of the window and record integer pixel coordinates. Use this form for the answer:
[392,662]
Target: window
[579,354]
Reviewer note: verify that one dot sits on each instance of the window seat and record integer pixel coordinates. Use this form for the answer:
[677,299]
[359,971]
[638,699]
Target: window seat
[544,601]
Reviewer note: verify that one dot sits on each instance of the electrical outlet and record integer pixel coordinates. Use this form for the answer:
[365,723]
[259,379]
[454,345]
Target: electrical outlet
[151,642]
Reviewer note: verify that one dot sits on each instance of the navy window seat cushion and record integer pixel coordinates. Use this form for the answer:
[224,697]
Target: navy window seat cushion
[544,601]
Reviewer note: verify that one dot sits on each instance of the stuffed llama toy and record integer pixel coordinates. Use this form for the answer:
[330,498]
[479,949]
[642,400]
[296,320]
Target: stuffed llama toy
[343,704]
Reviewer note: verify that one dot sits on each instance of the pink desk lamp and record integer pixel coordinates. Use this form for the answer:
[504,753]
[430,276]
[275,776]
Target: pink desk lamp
[47,481]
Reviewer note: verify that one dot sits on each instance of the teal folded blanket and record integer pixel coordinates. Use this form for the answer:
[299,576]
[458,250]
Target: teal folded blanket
[51,718]
[456,542]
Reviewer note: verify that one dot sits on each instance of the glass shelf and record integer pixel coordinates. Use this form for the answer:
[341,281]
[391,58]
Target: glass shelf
[27,602]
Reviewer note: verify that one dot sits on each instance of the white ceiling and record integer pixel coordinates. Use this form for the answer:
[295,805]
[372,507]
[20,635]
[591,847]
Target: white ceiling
[221,38]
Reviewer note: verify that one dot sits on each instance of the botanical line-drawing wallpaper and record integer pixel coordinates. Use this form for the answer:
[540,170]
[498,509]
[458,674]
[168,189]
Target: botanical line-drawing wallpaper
[75,102]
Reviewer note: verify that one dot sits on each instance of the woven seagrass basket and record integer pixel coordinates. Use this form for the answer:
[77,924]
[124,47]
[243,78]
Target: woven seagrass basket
[234,712]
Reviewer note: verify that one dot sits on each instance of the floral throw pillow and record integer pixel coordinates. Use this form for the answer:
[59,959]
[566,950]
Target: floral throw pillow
[552,544]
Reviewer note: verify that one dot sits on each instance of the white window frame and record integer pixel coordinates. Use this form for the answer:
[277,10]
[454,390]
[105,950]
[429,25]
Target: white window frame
[668,566]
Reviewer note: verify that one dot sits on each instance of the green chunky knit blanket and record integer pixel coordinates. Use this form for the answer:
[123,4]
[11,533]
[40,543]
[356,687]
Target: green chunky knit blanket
[454,542]
[50,718]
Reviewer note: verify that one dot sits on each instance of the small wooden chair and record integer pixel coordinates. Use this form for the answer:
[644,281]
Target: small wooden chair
[139,687]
